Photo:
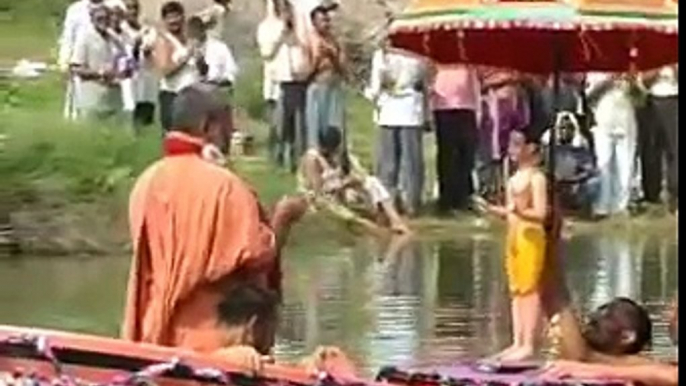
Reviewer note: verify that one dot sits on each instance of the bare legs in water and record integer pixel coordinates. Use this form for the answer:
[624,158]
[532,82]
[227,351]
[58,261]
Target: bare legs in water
[526,321]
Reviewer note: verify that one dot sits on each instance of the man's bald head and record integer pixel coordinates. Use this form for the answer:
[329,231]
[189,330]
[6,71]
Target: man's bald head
[200,110]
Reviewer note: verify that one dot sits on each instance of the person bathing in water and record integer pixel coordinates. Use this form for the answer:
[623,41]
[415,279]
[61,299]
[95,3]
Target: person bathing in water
[609,344]
[248,319]
[526,211]
[324,181]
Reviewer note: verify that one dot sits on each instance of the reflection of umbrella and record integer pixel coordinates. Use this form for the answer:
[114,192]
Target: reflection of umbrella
[542,35]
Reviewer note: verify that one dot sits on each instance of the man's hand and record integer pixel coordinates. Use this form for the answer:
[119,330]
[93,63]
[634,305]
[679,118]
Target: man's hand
[244,357]
[569,369]
[486,207]
[289,210]
[330,360]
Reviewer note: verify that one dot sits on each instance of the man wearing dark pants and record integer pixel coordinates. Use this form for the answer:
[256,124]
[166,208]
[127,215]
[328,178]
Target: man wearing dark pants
[286,66]
[455,102]
[176,60]
[290,122]
[658,139]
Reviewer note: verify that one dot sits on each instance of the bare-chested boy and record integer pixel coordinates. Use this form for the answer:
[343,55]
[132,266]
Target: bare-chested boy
[526,211]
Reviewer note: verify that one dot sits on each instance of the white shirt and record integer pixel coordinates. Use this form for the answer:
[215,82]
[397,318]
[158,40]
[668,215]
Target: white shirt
[77,16]
[145,82]
[614,111]
[400,104]
[286,60]
[666,84]
[220,62]
[268,37]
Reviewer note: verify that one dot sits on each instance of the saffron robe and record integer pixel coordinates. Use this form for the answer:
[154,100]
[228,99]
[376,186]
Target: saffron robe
[196,228]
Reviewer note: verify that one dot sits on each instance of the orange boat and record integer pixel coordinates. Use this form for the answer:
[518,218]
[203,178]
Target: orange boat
[36,357]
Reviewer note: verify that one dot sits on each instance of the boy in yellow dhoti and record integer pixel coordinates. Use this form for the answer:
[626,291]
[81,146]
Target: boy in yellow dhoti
[526,211]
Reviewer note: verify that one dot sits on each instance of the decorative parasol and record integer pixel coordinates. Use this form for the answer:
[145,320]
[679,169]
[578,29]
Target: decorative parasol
[542,36]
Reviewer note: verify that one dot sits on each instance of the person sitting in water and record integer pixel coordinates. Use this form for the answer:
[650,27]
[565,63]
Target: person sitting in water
[323,179]
[248,319]
[609,345]
[610,342]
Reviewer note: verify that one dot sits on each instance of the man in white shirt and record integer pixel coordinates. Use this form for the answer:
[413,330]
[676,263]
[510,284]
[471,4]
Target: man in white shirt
[615,136]
[398,88]
[77,16]
[658,139]
[221,68]
[94,62]
[284,51]
[141,39]
[268,31]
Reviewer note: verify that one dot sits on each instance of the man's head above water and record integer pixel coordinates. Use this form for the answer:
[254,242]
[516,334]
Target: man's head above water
[249,315]
[620,327]
[200,111]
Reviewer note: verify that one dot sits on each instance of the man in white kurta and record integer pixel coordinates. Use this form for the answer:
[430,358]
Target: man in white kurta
[77,17]
[615,137]
[398,88]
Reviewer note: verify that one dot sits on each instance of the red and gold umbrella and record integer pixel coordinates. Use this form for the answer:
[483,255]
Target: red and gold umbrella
[542,36]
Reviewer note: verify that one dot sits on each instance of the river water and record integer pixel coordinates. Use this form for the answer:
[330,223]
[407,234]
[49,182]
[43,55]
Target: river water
[401,302]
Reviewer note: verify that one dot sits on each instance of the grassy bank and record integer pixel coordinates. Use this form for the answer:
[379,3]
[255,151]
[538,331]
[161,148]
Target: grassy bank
[68,183]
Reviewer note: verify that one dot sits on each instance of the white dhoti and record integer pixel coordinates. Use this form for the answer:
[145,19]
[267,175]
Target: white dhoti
[70,98]
[376,190]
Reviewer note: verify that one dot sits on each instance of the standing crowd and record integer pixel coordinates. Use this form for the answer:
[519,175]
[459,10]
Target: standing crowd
[118,67]
[616,136]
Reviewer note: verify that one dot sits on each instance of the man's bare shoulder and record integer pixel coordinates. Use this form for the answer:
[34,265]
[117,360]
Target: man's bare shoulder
[539,175]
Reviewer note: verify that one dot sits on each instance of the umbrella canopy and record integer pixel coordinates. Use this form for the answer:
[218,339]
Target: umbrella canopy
[541,36]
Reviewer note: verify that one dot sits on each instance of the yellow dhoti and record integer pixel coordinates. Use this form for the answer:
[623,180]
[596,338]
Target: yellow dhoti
[525,257]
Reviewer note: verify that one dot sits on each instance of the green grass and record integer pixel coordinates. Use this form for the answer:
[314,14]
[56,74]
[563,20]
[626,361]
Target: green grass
[75,169]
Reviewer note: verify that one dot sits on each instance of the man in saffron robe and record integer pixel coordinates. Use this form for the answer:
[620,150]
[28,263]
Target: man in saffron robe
[196,228]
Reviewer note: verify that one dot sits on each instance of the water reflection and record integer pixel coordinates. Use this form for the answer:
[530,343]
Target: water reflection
[400,301]
[430,303]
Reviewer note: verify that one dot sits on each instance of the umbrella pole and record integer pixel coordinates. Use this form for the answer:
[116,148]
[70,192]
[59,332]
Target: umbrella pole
[552,144]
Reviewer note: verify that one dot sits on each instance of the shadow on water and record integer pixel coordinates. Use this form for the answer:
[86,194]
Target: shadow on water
[401,301]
